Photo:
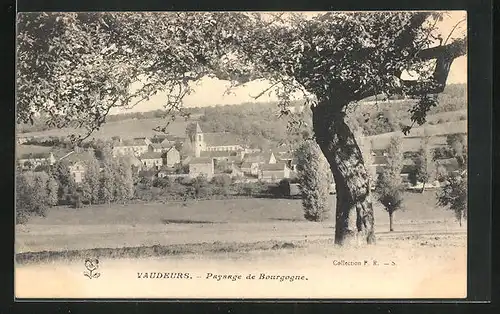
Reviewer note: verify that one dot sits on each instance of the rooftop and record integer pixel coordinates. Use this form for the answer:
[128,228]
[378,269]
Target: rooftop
[201,160]
[273,167]
[151,155]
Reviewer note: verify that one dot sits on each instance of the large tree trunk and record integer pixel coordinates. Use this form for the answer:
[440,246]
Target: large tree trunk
[354,211]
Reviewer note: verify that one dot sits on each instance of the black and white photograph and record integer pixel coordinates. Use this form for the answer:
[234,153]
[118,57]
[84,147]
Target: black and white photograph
[241,154]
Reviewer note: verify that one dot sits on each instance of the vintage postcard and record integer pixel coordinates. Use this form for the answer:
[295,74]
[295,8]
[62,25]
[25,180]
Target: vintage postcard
[225,155]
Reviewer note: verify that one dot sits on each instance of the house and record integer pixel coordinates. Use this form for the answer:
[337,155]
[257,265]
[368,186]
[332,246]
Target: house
[136,146]
[220,141]
[250,168]
[78,161]
[171,157]
[155,148]
[151,160]
[32,160]
[274,172]
[221,155]
[261,158]
[236,171]
[288,159]
[201,166]
[22,140]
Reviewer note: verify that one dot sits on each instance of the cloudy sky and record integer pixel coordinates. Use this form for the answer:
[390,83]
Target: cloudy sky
[209,92]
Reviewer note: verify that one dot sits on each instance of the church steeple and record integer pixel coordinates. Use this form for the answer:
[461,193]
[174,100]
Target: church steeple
[199,142]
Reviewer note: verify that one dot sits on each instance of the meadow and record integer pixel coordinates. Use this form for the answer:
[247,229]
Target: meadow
[238,220]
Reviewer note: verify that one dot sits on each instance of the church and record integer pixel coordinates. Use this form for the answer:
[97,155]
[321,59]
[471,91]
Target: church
[219,141]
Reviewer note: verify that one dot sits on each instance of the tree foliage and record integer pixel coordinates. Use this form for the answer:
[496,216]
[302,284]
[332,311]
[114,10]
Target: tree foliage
[425,167]
[389,187]
[313,173]
[35,193]
[91,181]
[453,195]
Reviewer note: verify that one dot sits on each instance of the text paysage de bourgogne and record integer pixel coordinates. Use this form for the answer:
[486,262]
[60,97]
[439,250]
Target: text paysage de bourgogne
[221,277]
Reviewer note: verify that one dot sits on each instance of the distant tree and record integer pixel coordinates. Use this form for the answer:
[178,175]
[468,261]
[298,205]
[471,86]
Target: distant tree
[453,194]
[389,187]
[458,146]
[201,187]
[91,181]
[65,180]
[424,161]
[107,184]
[124,183]
[222,184]
[52,189]
[313,174]
[34,195]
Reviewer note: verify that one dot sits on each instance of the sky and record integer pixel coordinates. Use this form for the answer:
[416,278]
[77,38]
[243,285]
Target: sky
[210,92]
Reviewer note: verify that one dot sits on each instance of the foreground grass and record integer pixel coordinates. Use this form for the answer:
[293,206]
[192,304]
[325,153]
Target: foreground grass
[234,249]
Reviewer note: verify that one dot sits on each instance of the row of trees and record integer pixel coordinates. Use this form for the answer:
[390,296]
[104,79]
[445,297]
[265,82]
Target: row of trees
[389,186]
[104,181]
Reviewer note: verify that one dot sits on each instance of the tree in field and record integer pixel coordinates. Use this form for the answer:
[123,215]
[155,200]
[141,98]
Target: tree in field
[124,183]
[35,193]
[64,179]
[313,175]
[52,190]
[457,144]
[453,195]
[77,66]
[389,188]
[91,181]
[107,183]
[424,161]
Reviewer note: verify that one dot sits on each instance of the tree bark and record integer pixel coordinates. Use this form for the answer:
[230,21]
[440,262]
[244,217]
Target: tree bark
[423,188]
[390,221]
[354,210]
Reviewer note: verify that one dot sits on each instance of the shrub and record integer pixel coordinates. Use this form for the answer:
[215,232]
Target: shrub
[314,172]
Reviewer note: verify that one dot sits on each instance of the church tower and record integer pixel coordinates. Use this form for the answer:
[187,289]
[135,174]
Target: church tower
[199,141]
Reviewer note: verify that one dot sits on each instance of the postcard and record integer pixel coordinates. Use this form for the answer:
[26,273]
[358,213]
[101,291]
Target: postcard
[241,155]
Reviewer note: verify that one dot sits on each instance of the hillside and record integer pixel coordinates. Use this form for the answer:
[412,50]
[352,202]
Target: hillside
[125,128]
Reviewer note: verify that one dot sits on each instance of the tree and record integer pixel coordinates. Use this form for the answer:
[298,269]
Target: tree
[107,183]
[458,148]
[313,179]
[35,193]
[90,184]
[424,161]
[453,195]
[64,179]
[52,189]
[389,186]
[334,58]
[124,183]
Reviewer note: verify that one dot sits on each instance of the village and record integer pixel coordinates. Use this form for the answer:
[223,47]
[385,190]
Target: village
[160,156]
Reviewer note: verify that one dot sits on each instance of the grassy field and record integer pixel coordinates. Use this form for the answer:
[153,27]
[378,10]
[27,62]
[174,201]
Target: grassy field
[242,220]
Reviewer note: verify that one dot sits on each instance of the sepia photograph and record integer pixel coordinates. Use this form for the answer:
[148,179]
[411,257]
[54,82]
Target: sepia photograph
[241,155]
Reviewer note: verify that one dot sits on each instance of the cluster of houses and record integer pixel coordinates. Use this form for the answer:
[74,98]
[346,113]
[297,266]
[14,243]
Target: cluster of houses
[160,156]
[208,154]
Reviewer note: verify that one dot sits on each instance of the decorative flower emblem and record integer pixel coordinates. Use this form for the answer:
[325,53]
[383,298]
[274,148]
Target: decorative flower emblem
[91,264]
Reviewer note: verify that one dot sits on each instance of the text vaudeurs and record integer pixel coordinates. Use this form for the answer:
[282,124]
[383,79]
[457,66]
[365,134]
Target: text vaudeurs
[220,277]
